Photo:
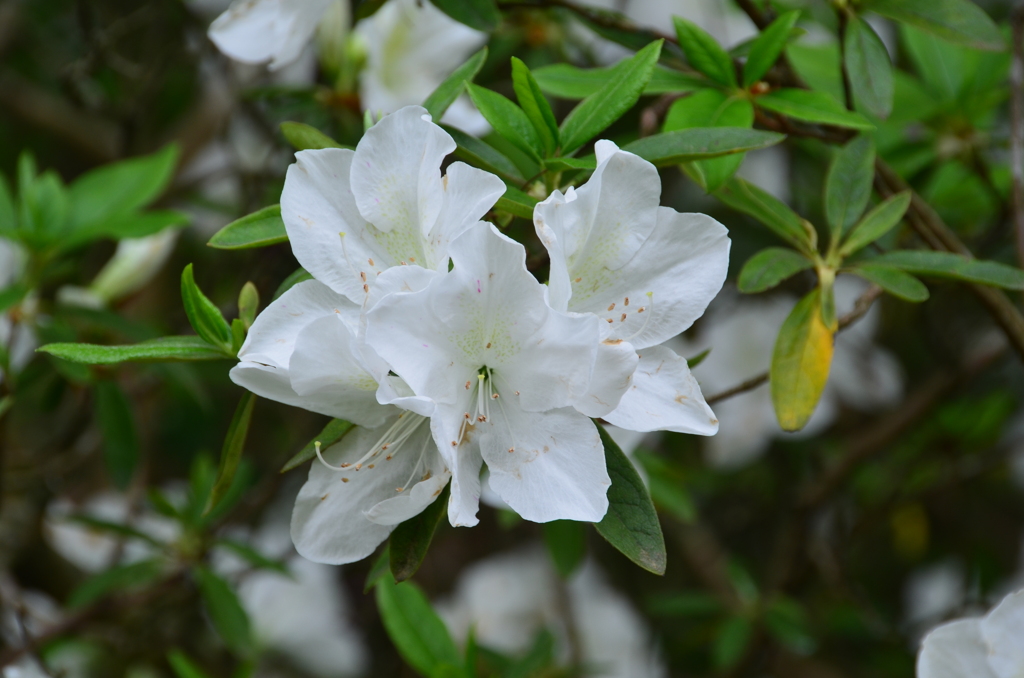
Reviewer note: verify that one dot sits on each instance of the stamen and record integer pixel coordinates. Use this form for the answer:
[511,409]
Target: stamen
[612,307]
[400,431]
[650,295]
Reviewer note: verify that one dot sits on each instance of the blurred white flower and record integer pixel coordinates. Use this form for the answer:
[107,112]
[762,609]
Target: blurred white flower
[986,647]
[508,599]
[741,333]
[136,261]
[17,337]
[931,593]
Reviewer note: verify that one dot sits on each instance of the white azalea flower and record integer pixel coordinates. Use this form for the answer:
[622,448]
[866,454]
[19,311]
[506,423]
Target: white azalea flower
[502,369]
[507,599]
[135,262]
[17,337]
[989,647]
[352,214]
[411,47]
[647,272]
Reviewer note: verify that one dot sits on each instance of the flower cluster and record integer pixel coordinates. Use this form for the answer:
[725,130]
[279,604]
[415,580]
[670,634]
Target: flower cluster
[423,326]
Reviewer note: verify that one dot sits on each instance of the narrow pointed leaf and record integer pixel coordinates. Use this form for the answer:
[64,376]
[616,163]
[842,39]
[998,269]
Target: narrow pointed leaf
[417,632]
[120,187]
[164,349]
[410,541]
[482,15]
[959,21]
[231,453]
[809,106]
[117,578]
[516,202]
[225,610]
[601,109]
[303,137]
[769,267]
[848,184]
[507,119]
[566,81]
[205,318]
[259,229]
[454,85]
[776,215]
[894,281]
[481,154]
[536,107]
[800,363]
[704,53]
[253,557]
[954,267]
[120,437]
[631,524]
[330,435]
[700,143]
[766,49]
[876,223]
[183,666]
[867,63]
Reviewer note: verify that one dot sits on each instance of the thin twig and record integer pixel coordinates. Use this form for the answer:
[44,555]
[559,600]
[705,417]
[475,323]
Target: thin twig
[860,307]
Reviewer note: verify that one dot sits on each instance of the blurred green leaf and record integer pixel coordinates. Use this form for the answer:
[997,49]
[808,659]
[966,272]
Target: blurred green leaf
[507,119]
[454,85]
[566,81]
[381,569]
[867,63]
[126,531]
[816,107]
[787,621]
[162,349]
[120,437]
[183,666]
[536,107]
[766,49]
[731,642]
[205,318]
[768,210]
[704,53]
[482,15]
[958,21]
[848,184]
[303,137]
[516,202]
[9,296]
[253,557]
[631,524]
[684,604]
[330,435]
[481,154]
[411,539]
[231,452]
[819,65]
[293,279]
[954,267]
[417,632]
[942,66]
[709,109]
[261,228]
[566,541]
[588,163]
[685,145]
[769,267]
[124,225]
[894,281]
[118,578]
[876,223]
[225,610]
[698,359]
[120,187]
[608,104]
[667,483]
[800,363]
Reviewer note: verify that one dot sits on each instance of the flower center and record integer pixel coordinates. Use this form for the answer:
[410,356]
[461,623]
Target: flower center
[486,395]
[389,444]
[620,312]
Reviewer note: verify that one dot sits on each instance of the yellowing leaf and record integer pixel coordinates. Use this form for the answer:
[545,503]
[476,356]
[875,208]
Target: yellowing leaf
[800,363]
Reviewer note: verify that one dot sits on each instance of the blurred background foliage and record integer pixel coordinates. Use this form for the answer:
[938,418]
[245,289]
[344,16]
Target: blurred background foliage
[827,553]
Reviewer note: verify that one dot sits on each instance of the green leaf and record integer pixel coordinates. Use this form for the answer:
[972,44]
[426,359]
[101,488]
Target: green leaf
[536,107]
[876,223]
[381,569]
[417,632]
[867,63]
[698,359]
[516,202]
[303,137]
[954,267]
[567,543]
[330,435]
[205,318]
[711,108]
[684,604]
[293,279]
[226,612]
[454,85]
[808,106]
[411,539]
[483,155]
[125,531]
[608,104]
[588,163]
[164,349]
[768,46]
[848,184]
[769,267]
[482,15]
[566,81]
[731,642]
[786,620]
[124,225]
[231,452]
[120,187]
[958,21]
[672,148]
[9,296]
[118,578]
[183,666]
[631,524]
[704,53]
[259,229]
[507,119]
[120,438]
[800,363]
[253,557]
[248,304]
[767,209]
[894,281]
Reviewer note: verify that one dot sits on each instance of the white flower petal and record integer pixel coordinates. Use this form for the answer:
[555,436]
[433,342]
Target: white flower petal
[954,650]
[664,396]
[546,465]
[257,31]
[613,372]
[468,194]
[465,497]
[1002,631]
[329,522]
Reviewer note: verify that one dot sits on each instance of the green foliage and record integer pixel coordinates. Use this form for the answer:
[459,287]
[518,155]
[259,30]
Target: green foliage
[766,49]
[231,453]
[205,318]
[566,541]
[248,304]
[164,349]
[711,108]
[303,137]
[536,107]
[631,524]
[731,641]
[261,228]
[417,632]
[454,85]
[409,542]
[954,267]
[800,363]
[769,267]
[687,145]
[482,15]
[330,435]
[870,71]
[959,21]
[508,120]
[118,579]
[517,203]
[704,53]
[848,185]
[225,611]
[894,281]
[183,666]
[120,437]
[876,223]
[253,557]
[745,197]
[571,82]
[815,107]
